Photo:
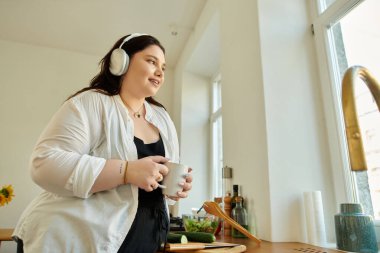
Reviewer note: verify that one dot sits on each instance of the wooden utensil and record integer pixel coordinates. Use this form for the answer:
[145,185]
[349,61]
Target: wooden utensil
[213,208]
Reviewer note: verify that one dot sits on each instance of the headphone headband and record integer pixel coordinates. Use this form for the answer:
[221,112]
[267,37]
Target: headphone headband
[133,35]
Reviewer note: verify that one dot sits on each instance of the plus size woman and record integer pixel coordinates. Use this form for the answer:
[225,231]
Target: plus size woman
[100,161]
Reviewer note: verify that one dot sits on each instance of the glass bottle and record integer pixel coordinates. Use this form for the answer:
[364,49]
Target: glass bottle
[227,179]
[235,195]
[239,214]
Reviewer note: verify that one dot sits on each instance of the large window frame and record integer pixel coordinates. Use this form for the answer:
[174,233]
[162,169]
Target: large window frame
[323,19]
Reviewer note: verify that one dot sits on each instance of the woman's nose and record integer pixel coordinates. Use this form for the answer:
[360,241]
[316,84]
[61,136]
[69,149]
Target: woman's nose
[159,72]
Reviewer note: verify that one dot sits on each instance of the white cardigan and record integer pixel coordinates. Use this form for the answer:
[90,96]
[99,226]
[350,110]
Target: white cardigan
[68,157]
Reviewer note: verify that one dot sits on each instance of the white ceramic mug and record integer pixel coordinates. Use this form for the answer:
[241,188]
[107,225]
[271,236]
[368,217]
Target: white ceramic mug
[176,175]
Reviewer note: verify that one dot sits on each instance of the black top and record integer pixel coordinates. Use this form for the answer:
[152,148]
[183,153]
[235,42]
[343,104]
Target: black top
[151,225]
[144,150]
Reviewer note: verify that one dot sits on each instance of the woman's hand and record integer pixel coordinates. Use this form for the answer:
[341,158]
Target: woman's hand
[186,186]
[147,172]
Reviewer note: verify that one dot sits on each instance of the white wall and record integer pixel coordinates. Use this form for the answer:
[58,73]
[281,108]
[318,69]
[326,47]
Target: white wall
[244,126]
[273,128]
[34,82]
[192,93]
[195,138]
[297,144]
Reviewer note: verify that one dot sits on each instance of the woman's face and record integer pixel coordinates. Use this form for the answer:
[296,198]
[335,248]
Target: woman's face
[145,73]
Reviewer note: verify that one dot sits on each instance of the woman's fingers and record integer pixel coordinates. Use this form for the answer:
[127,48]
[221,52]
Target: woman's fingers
[155,173]
[151,186]
[186,186]
[159,178]
[189,178]
[174,198]
[147,172]
[182,194]
[159,159]
[163,169]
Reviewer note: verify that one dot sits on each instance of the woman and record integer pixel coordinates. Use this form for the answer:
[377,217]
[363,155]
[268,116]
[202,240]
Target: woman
[101,158]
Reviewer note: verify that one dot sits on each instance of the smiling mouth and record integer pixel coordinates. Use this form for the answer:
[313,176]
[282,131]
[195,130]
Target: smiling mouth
[154,82]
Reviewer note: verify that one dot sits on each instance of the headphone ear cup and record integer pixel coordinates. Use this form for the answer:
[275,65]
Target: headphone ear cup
[119,62]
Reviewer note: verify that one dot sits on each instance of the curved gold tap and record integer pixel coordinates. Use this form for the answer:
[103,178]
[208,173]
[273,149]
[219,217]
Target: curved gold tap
[355,144]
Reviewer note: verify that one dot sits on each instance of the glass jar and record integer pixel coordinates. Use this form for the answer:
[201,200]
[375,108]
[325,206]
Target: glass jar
[355,230]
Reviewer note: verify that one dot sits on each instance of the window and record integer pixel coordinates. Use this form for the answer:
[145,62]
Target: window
[216,136]
[348,32]
[325,4]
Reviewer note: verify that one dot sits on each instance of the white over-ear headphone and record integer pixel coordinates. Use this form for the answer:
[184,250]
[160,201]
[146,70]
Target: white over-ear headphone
[119,58]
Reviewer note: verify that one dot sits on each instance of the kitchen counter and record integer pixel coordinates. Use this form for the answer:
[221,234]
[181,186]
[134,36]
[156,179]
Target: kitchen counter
[252,247]
[6,234]
[276,247]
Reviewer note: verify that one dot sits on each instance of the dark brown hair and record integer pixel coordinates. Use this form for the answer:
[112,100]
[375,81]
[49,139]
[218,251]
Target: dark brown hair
[107,83]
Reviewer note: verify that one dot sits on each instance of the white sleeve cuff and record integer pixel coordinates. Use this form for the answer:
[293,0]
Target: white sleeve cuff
[84,175]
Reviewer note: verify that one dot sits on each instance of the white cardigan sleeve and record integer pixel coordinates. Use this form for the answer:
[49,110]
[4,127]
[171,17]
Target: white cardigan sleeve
[61,162]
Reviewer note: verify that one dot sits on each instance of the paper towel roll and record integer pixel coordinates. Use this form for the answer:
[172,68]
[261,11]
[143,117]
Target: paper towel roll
[315,222]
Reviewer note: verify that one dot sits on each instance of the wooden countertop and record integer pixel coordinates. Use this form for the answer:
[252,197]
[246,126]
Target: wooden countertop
[6,234]
[276,247]
[252,247]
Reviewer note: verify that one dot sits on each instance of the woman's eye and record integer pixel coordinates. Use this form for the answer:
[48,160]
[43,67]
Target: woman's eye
[152,61]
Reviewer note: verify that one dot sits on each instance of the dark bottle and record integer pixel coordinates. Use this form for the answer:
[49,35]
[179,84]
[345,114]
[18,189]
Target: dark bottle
[239,214]
[235,188]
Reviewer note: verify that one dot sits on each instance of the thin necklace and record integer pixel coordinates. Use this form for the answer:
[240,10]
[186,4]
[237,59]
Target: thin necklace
[136,114]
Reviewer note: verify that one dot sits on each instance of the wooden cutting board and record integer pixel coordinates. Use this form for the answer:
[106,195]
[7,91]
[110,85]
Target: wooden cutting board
[195,247]
[237,249]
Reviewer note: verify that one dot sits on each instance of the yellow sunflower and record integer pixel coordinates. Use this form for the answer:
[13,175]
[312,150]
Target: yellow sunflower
[6,194]
[2,200]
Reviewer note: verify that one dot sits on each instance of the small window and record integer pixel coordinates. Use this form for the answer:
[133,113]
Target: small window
[216,135]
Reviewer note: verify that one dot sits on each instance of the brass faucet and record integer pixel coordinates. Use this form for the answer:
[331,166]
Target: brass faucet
[355,144]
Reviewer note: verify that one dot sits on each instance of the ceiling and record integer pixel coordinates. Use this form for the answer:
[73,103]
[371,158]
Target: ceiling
[93,26]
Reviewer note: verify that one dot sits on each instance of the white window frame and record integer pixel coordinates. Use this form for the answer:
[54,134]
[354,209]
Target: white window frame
[216,171]
[329,76]
[344,184]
